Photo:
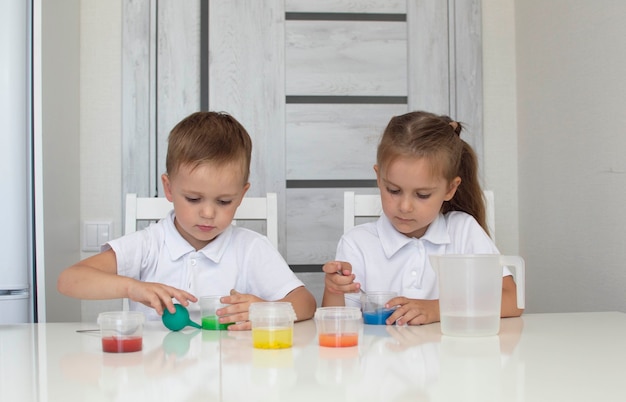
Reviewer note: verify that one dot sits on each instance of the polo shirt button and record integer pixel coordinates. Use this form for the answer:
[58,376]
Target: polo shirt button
[193,263]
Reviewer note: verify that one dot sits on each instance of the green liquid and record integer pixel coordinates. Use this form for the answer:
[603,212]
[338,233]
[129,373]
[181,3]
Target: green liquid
[211,322]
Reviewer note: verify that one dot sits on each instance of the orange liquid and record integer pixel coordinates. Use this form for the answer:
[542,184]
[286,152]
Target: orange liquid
[339,340]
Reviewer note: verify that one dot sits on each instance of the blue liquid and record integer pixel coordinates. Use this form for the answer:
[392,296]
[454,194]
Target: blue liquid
[377,317]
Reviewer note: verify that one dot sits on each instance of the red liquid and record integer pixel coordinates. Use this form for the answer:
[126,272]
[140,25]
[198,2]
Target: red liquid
[114,344]
[339,340]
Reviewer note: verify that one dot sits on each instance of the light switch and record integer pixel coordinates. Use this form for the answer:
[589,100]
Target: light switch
[103,233]
[95,234]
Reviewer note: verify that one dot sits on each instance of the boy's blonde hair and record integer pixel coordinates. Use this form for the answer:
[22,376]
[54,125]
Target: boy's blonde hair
[214,137]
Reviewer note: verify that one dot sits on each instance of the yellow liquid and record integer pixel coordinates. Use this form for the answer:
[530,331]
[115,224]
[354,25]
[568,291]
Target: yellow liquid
[265,338]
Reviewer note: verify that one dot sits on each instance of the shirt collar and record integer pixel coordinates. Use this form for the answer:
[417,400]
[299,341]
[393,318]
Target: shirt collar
[178,246]
[392,240]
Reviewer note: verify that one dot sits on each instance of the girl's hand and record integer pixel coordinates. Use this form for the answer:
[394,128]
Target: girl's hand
[339,278]
[413,311]
[238,311]
[158,296]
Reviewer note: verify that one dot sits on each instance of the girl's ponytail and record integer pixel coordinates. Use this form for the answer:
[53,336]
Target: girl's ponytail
[469,195]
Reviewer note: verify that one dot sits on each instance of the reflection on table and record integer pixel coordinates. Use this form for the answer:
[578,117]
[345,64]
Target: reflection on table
[543,357]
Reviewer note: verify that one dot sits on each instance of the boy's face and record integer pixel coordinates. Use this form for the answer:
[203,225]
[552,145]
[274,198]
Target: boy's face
[411,196]
[205,199]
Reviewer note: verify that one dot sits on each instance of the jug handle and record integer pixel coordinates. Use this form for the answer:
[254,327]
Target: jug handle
[520,276]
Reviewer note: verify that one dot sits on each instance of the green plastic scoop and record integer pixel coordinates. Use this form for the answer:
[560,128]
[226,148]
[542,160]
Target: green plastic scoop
[179,320]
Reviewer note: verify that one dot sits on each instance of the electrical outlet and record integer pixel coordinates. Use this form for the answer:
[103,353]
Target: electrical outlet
[95,234]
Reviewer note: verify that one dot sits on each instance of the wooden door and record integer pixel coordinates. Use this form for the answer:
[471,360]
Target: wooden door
[314,82]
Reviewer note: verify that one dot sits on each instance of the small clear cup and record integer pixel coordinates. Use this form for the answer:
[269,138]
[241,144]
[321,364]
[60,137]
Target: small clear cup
[338,326]
[208,306]
[272,324]
[373,307]
[121,331]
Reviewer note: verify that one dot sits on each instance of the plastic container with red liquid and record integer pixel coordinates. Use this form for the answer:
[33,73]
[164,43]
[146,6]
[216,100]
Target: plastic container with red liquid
[121,331]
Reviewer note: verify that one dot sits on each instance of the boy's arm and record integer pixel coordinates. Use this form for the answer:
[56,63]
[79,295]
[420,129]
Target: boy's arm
[96,278]
[509,298]
[303,303]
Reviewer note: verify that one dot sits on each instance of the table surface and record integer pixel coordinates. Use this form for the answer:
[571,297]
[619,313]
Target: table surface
[537,357]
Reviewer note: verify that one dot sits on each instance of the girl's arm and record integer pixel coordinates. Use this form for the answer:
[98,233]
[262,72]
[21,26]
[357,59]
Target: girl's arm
[509,298]
[418,312]
[336,285]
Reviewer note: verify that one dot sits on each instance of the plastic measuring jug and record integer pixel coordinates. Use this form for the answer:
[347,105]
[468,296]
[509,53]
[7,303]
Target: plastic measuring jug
[470,291]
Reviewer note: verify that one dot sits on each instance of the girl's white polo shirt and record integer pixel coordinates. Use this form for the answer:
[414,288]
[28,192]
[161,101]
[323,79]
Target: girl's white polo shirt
[384,259]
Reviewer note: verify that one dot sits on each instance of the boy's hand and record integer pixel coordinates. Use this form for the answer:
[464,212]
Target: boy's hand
[413,311]
[339,278]
[158,296]
[238,310]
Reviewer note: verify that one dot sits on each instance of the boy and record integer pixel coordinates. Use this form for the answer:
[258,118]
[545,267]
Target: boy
[195,250]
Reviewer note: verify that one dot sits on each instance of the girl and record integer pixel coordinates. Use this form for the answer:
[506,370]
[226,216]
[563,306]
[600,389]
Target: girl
[432,204]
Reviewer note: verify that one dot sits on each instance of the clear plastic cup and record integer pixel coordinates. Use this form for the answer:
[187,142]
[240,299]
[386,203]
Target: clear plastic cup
[208,306]
[272,324]
[121,331]
[373,307]
[338,326]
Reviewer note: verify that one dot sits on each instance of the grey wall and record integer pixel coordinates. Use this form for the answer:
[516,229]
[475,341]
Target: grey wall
[60,116]
[572,168]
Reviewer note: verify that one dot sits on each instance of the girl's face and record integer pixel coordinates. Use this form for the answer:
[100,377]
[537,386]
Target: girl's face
[411,195]
[205,199]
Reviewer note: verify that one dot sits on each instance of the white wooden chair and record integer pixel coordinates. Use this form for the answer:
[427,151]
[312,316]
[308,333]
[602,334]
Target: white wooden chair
[369,206]
[251,208]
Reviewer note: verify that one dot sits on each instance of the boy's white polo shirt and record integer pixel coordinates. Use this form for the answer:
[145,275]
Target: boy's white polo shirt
[238,258]
[384,259]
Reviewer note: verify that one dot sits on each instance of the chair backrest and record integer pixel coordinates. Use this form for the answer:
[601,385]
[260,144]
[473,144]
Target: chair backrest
[359,206]
[369,206]
[251,208]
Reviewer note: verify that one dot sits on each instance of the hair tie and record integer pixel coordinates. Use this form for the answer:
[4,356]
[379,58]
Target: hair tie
[456,127]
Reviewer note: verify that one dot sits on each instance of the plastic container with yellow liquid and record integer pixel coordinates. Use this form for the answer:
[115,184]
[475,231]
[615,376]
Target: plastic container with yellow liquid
[272,325]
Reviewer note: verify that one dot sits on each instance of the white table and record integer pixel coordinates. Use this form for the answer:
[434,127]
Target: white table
[538,357]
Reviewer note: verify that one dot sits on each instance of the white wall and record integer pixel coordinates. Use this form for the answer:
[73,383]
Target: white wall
[572,169]
[500,119]
[81,128]
[100,123]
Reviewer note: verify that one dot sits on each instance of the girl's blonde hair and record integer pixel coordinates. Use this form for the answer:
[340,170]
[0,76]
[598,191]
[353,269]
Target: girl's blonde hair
[437,138]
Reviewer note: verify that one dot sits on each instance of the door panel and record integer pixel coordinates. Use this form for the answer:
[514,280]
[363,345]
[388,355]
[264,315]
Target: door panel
[326,140]
[346,58]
